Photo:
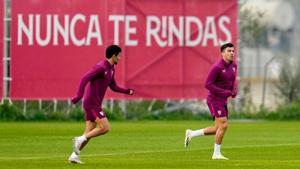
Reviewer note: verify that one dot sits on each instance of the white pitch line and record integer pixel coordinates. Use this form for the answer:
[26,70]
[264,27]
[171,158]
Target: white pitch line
[141,152]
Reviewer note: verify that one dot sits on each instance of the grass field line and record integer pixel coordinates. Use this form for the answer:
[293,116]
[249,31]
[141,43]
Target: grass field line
[45,156]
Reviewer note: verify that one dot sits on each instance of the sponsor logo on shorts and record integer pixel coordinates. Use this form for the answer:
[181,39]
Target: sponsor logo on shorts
[219,112]
[233,69]
[101,113]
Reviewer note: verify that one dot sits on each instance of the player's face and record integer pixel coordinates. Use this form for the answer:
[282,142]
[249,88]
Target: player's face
[228,54]
[116,58]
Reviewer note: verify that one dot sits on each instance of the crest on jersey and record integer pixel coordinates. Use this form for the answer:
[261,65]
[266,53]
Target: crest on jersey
[105,73]
[224,70]
[233,69]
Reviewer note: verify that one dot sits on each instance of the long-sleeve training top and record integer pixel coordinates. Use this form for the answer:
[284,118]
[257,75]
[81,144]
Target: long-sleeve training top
[221,81]
[100,77]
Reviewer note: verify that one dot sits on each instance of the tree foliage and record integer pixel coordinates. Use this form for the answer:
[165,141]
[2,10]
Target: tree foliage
[288,84]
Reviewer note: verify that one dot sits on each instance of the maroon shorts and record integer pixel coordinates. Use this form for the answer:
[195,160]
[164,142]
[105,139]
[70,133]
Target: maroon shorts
[217,109]
[92,113]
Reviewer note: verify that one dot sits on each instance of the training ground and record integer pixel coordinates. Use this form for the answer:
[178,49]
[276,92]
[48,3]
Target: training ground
[150,144]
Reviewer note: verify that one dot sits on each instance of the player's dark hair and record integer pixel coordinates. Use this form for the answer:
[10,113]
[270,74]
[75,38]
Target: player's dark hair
[112,50]
[226,45]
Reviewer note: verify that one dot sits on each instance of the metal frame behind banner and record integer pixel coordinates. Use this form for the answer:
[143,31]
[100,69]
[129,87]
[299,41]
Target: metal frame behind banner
[5,12]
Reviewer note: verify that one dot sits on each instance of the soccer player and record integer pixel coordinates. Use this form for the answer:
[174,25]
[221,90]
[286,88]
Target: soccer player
[221,84]
[99,77]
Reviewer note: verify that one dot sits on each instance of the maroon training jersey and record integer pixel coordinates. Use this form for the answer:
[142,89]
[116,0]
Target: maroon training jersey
[100,77]
[220,81]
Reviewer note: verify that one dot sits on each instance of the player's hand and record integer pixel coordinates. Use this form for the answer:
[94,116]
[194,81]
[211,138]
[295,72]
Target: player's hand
[228,93]
[234,92]
[131,91]
[75,99]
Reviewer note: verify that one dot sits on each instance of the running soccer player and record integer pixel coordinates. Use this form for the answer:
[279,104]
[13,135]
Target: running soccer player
[99,77]
[221,84]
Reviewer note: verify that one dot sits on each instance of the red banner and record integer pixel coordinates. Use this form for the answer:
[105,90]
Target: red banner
[166,52]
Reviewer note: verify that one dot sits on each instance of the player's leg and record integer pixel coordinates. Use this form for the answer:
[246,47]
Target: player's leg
[99,118]
[189,134]
[103,128]
[89,126]
[211,130]
[81,141]
[91,131]
[222,124]
[74,158]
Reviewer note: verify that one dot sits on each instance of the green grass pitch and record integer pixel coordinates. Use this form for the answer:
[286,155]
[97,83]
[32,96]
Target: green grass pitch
[150,144]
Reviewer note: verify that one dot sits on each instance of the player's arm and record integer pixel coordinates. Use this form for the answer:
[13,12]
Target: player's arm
[210,83]
[84,80]
[114,87]
[234,88]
